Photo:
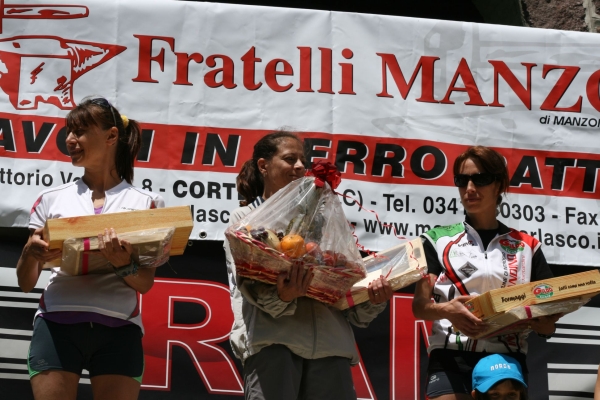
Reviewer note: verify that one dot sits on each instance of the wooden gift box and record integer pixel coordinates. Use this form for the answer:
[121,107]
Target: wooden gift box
[56,231]
[410,266]
[514,320]
[497,301]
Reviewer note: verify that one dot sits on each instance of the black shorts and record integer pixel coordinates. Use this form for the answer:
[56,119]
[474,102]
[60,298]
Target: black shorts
[98,348]
[450,371]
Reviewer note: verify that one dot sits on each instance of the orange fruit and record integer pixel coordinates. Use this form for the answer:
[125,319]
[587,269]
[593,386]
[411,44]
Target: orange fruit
[313,248]
[293,246]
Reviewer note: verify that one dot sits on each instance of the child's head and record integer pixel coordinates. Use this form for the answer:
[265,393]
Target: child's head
[498,377]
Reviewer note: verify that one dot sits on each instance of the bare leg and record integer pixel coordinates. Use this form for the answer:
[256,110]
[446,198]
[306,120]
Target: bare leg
[55,385]
[115,387]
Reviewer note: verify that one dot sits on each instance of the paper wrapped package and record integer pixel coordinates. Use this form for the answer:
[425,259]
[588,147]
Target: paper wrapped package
[401,265]
[82,257]
[515,319]
[303,222]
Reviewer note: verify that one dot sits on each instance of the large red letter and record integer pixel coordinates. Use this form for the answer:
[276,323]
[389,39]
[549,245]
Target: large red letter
[560,87]
[145,57]
[405,334]
[524,93]
[214,366]
[464,72]
[426,64]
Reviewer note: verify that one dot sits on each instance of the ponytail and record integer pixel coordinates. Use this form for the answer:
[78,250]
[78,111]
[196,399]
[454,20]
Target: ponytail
[128,146]
[249,182]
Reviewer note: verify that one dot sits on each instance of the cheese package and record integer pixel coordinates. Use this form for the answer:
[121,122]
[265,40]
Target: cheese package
[497,301]
[401,265]
[515,319]
[57,230]
[155,234]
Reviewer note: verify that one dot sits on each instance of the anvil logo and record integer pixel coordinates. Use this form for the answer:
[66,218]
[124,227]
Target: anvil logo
[36,69]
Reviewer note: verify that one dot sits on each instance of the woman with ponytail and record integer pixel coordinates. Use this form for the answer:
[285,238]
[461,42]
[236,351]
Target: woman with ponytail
[91,321]
[291,346]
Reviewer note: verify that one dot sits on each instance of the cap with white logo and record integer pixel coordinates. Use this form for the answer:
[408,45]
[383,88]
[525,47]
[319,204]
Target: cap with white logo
[495,368]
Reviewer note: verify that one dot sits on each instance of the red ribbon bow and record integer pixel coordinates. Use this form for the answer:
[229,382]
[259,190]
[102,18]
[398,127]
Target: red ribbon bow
[324,171]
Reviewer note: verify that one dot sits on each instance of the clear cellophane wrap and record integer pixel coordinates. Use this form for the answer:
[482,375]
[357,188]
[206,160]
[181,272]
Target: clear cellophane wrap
[515,319]
[402,265]
[306,216]
[81,256]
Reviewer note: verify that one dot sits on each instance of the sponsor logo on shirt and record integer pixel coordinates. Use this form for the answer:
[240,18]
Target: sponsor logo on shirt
[468,269]
[512,246]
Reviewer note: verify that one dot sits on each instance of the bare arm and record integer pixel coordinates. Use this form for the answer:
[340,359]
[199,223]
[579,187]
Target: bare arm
[34,255]
[142,281]
[453,310]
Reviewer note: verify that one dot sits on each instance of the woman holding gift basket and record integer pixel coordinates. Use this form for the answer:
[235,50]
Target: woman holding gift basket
[292,346]
[468,259]
[90,321]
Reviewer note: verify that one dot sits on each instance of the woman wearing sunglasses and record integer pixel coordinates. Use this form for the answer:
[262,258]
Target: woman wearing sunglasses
[91,321]
[465,260]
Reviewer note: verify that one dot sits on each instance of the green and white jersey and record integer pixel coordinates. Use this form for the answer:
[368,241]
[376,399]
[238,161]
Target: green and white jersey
[455,253]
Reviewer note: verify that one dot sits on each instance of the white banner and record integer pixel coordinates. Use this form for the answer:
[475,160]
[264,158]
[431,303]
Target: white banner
[392,101]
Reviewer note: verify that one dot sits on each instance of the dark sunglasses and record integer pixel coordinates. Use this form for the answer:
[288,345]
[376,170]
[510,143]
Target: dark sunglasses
[481,179]
[102,102]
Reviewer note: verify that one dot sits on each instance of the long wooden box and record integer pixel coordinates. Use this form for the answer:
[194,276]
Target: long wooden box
[497,301]
[406,264]
[514,320]
[56,231]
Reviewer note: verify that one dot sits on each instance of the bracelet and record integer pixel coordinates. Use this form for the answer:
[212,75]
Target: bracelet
[130,269]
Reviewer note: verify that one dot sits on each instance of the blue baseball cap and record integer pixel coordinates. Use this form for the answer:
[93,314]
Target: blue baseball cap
[495,368]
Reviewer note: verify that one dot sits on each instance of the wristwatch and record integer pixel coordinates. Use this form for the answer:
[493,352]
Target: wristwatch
[130,269]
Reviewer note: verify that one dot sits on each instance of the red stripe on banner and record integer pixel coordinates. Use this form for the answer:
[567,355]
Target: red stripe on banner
[450,273]
[528,312]
[410,161]
[85,259]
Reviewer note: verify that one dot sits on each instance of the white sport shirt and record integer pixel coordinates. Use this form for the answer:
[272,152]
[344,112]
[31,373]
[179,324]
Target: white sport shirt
[467,268]
[105,294]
